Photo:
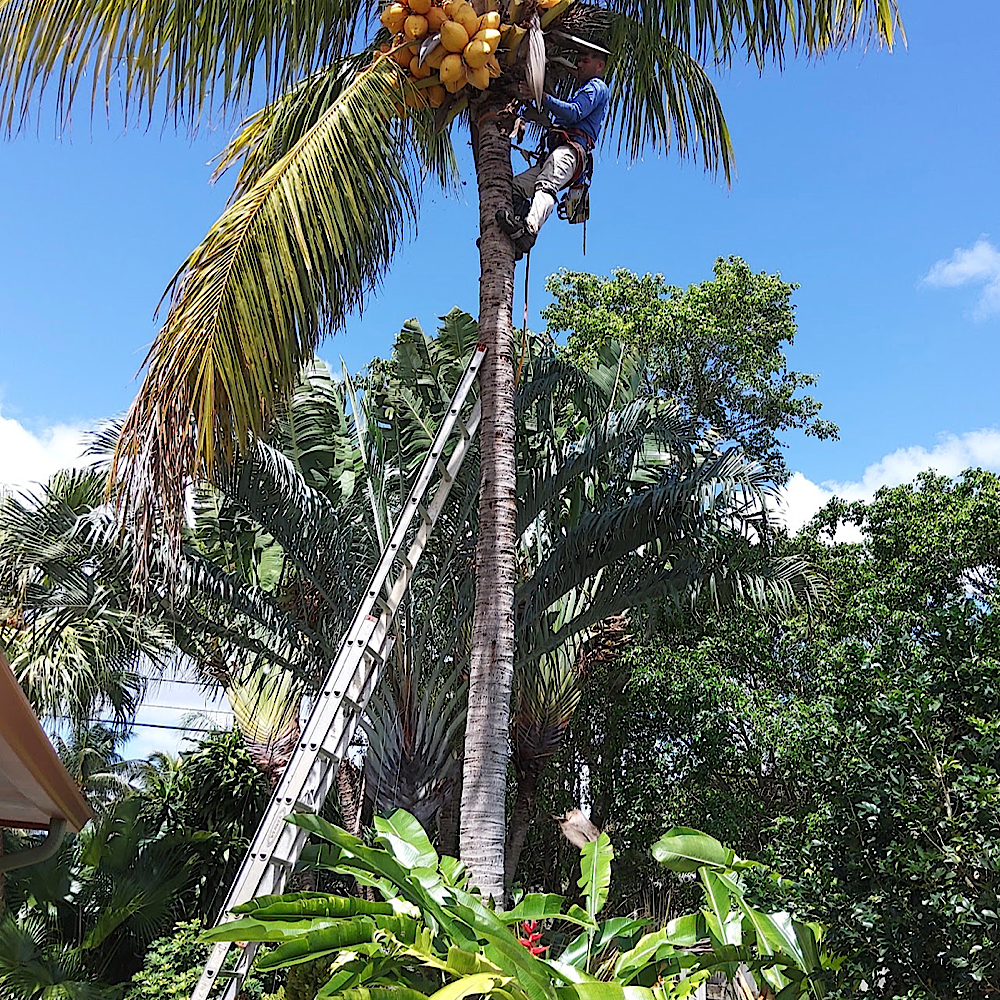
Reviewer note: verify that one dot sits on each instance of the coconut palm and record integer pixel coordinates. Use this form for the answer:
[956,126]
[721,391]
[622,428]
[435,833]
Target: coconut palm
[327,187]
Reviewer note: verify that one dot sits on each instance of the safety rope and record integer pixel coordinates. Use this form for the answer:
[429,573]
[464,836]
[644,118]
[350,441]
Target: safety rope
[524,327]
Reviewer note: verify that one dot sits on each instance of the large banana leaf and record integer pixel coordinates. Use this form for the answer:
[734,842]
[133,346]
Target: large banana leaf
[682,849]
[595,873]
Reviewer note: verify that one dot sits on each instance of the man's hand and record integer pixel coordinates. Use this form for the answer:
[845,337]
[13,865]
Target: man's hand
[525,91]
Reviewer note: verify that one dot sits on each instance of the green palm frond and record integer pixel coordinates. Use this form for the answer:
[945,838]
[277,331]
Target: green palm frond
[34,968]
[662,98]
[548,692]
[663,521]
[719,31]
[612,445]
[74,644]
[725,575]
[186,59]
[283,265]
[273,131]
[265,705]
[414,724]
[321,537]
[317,431]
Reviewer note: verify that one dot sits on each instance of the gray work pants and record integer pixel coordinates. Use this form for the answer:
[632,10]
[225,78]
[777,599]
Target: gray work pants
[540,184]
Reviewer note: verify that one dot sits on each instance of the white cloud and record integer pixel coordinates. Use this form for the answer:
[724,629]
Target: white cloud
[952,455]
[975,265]
[27,458]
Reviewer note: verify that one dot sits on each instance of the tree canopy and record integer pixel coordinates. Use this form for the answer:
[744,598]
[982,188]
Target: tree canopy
[717,348]
[855,750]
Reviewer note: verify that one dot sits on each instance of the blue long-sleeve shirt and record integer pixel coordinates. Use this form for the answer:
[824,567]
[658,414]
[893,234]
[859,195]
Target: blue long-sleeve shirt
[585,110]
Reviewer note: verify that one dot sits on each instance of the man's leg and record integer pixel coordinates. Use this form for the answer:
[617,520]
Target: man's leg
[524,188]
[556,172]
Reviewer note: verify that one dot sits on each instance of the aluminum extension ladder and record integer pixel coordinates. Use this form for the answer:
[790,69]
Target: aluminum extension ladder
[341,701]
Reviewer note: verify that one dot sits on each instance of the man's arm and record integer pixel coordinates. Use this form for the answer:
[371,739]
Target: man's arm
[576,108]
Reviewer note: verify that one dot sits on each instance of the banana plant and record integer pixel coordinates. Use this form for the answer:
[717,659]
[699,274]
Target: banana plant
[431,937]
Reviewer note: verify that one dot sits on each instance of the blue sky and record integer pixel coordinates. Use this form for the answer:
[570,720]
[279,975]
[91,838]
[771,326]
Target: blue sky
[869,179]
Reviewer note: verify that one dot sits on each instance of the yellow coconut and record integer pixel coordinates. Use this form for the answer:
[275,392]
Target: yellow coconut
[415,98]
[451,69]
[419,6]
[476,53]
[393,17]
[415,26]
[453,36]
[436,95]
[491,37]
[456,86]
[491,19]
[435,18]
[479,78]
[436,57]
[468,19]
[417,71]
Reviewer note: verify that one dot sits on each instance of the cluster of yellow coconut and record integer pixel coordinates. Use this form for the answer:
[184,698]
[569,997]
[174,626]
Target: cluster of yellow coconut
[465,54]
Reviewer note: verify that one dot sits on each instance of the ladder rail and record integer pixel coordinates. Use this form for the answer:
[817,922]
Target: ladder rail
[343,697]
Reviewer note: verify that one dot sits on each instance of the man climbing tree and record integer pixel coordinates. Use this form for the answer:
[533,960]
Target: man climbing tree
[570,157]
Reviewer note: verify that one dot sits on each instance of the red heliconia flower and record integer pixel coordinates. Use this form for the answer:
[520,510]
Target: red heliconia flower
[531,938]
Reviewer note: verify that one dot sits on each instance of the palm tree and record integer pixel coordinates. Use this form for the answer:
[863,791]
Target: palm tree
[76,646]
[90,755]
[327,187]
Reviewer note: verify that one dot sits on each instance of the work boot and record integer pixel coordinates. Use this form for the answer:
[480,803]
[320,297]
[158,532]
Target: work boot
[511,224]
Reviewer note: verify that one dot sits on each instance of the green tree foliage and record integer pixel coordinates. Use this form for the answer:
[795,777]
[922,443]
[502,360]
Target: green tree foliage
[222,795]
[857,752]
[173,964]
[717,348]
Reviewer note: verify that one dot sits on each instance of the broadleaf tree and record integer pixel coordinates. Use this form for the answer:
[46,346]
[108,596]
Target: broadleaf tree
[329,188]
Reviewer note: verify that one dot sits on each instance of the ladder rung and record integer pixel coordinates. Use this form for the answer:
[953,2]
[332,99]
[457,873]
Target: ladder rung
[424,514]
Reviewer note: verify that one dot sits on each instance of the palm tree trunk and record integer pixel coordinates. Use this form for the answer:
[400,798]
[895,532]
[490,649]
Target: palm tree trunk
[492,667]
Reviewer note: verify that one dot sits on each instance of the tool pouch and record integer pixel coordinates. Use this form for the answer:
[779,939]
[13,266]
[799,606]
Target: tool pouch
[574,206]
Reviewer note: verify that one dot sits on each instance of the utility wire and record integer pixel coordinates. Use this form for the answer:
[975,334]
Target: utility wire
[144,725]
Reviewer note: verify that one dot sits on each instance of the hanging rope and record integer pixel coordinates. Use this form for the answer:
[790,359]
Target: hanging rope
[524,327]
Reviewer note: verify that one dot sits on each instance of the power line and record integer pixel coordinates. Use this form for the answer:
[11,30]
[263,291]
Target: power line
[185,708]
[144,725]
